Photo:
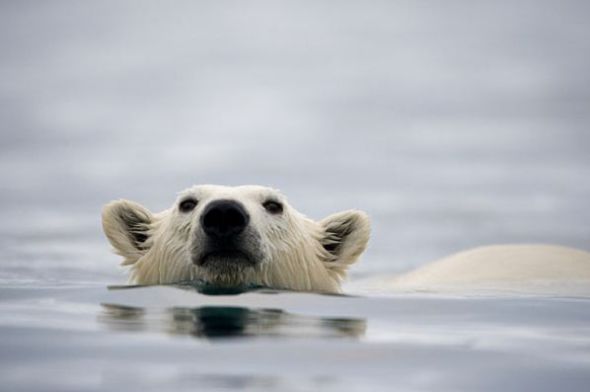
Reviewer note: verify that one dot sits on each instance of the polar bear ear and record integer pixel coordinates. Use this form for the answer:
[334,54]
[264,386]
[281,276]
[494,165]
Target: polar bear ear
[345,236]
[126,224]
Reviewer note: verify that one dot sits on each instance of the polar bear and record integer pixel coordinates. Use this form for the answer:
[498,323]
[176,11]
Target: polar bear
[235,237]
[248,236]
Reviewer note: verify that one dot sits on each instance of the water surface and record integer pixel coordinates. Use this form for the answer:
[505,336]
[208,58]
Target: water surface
[168,338]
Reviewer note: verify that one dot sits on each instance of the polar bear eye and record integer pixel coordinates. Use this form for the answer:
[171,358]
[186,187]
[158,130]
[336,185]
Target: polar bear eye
[187,205]
[273,207]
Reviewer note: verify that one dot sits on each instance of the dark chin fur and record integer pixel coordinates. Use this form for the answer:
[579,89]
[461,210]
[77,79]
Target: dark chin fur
[225,265]
[222,257]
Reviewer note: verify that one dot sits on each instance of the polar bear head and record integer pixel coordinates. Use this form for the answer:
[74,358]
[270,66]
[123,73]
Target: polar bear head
[235,237]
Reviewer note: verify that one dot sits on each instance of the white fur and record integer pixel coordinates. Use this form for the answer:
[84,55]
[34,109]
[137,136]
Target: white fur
[530,269]
[292,245]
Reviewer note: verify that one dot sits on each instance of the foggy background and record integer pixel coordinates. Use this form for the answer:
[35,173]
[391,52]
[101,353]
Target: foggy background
[453,124]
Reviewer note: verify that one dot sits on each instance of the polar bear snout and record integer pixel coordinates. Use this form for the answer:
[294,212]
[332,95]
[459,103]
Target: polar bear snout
[227,241]
[224,219]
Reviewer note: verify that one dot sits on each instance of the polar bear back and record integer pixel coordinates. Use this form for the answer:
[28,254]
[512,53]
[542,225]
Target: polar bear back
[535,269]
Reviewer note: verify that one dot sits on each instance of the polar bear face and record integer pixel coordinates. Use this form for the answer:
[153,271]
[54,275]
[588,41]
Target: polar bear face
[235,237]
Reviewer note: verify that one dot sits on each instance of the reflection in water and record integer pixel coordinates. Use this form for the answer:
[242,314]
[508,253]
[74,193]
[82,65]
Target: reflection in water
[225,322]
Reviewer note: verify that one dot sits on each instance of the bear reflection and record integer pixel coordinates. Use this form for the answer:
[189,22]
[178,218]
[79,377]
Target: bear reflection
[211,322]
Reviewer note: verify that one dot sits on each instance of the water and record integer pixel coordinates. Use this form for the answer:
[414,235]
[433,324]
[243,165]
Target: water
[88,337]
[166,338]
[453,125]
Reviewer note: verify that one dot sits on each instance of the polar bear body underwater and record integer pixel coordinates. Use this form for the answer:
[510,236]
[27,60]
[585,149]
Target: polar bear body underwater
[236,237]
[250,236]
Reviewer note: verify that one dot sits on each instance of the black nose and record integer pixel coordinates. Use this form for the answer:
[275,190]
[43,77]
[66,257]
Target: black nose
[224,218]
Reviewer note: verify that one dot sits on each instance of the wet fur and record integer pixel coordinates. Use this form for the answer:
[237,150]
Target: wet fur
[291,251]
